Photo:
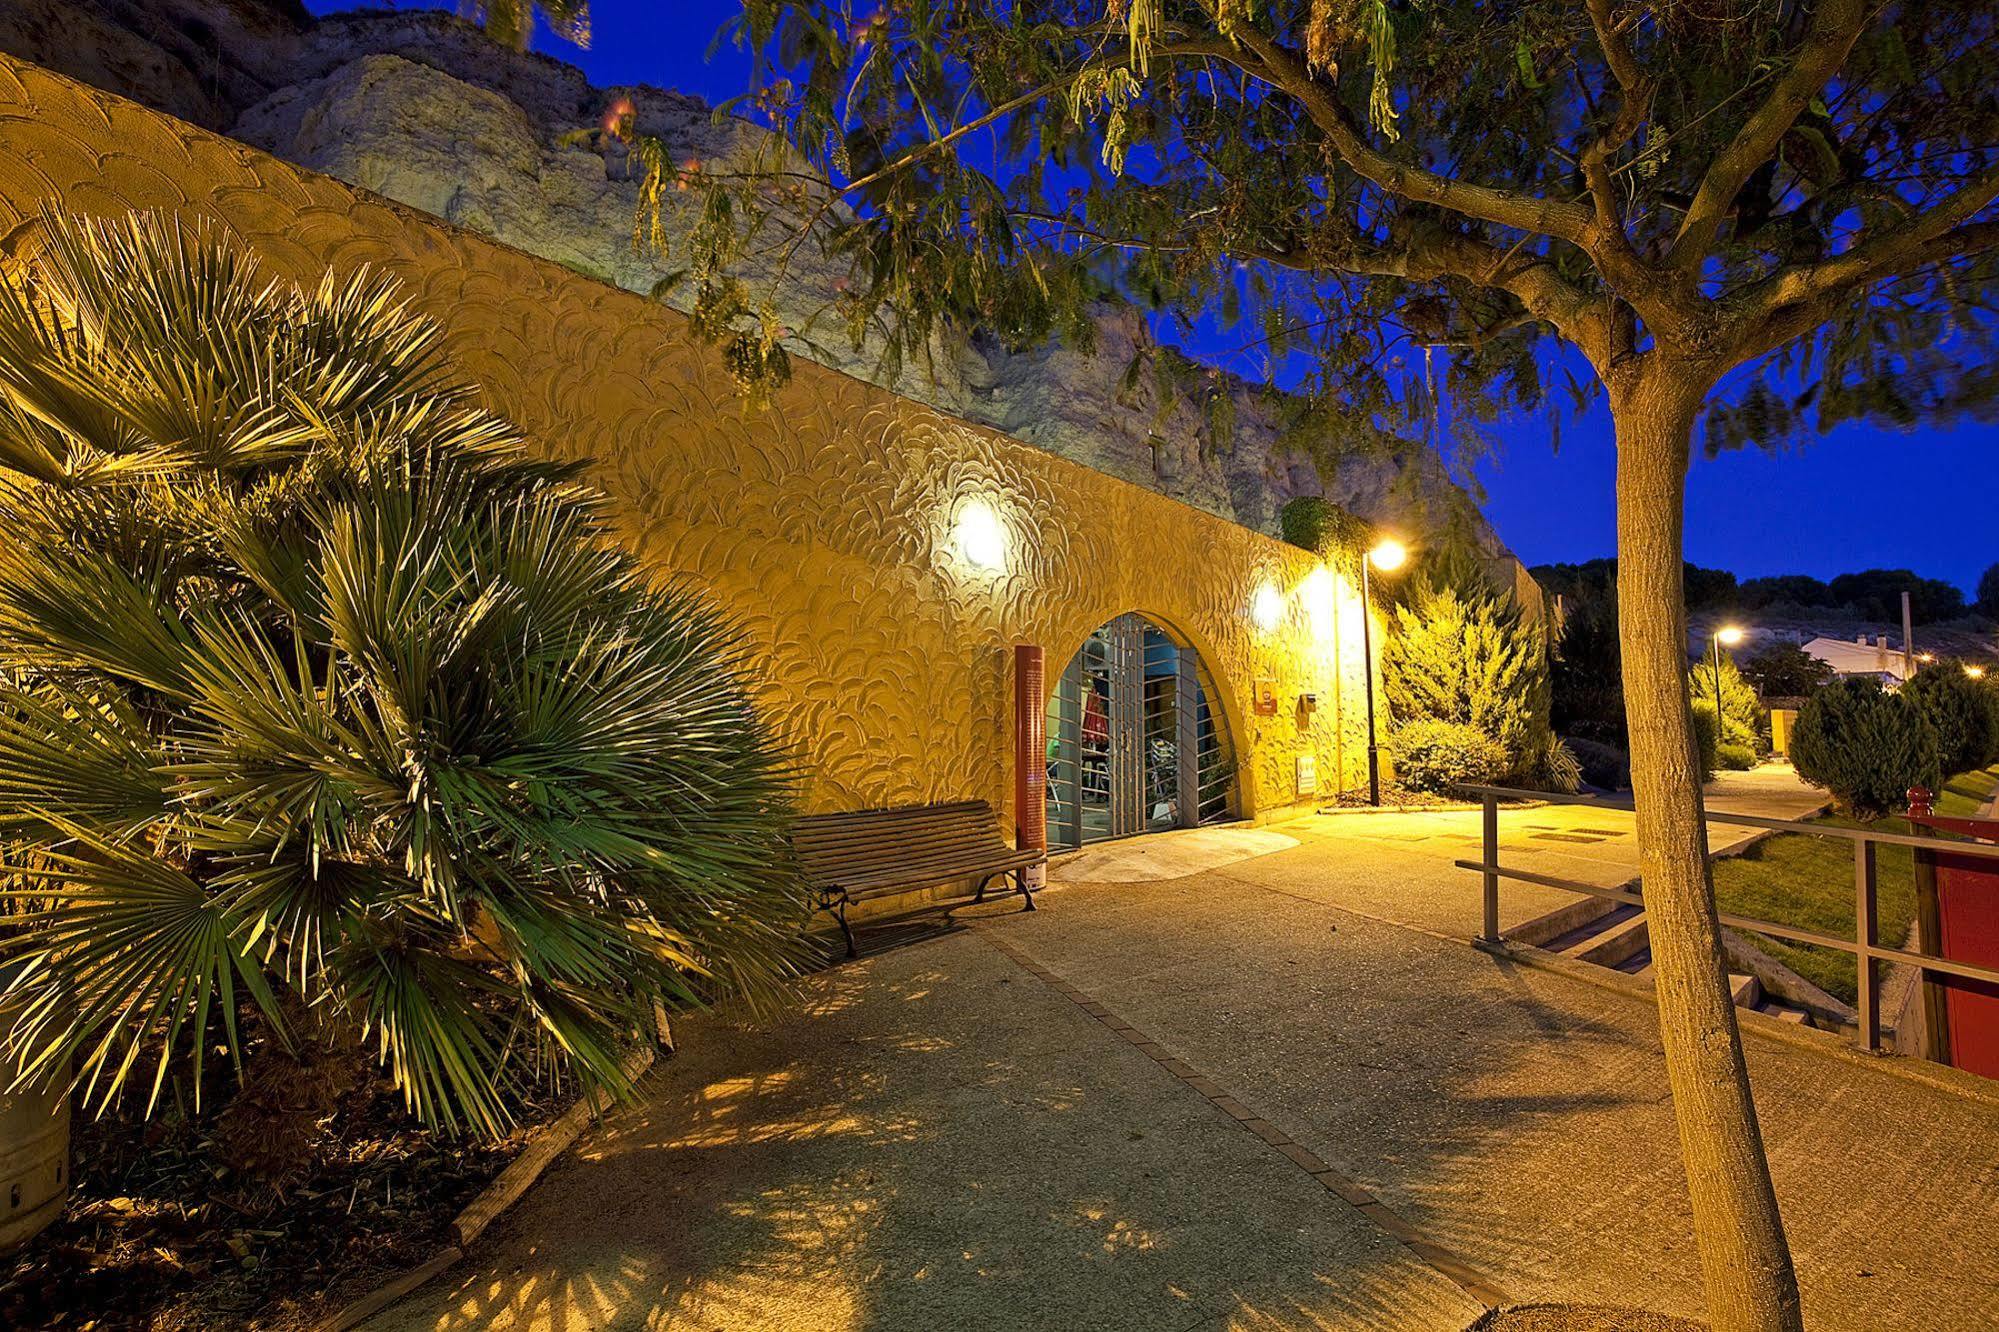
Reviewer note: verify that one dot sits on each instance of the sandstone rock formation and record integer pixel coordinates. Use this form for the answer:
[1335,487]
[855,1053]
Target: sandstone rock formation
[423,108]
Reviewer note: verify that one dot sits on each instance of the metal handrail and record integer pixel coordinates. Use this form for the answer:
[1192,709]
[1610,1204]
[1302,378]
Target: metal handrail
[1865,947]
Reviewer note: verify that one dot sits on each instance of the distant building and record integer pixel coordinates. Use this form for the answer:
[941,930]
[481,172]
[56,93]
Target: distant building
[1863,654]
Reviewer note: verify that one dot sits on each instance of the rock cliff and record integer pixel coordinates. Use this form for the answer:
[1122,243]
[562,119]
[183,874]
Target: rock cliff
[421,107]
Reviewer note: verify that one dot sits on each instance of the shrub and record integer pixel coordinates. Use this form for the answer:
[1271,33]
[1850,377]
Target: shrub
[325,710]
[1707,740]
[1744,720]
[1960,710]
[1470,658]
[1558,768]
[1735,758]
[1864,745]
[1603,766]
[1433,755]
[1785,670]
[1587,676]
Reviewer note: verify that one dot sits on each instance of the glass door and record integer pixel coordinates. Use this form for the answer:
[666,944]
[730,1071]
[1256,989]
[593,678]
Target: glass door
[1132,744]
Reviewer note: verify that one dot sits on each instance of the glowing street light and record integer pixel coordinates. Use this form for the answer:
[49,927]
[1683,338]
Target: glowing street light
[1975,672]
[981,535]
[1727,636]
[1388,555]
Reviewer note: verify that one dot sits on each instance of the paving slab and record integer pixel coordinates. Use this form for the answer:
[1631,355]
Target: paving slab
[938,1139]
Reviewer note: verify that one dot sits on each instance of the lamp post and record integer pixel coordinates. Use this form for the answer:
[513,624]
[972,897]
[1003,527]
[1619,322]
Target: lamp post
[1726,636]
[1387,556]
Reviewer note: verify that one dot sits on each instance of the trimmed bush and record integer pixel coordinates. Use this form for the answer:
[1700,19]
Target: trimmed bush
[1471,658]
[1744,722]
[1433,755]
[1707,740]
[1960,709]
[1604,766]
[1735,758]
[1865,746]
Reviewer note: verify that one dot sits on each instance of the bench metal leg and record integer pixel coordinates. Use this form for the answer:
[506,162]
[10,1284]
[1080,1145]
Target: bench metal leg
[1020,881]
[853,950]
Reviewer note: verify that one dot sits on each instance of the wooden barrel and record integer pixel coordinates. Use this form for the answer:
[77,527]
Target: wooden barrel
[34,1156]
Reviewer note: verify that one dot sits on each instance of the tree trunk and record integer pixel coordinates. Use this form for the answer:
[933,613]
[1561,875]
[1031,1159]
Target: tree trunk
[1745,1261]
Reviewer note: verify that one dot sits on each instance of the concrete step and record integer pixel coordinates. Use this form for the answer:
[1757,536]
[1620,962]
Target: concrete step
[1571,942]
[1747,991]
[1624,940]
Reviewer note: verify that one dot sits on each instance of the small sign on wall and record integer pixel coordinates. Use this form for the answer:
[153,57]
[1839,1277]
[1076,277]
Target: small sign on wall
[1308,774]
[1263,699]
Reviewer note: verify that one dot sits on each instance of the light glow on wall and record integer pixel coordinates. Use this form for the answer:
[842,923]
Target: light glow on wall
[1266,607]
[1321,594]
[981,535]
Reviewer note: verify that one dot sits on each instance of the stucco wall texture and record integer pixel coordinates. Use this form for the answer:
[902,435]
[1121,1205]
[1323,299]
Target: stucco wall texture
[826,522]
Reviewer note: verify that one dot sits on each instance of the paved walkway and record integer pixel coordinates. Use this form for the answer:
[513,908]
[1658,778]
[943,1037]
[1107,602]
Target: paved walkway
[1280,1092]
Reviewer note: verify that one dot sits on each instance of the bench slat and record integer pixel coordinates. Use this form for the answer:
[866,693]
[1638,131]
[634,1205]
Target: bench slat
[867,853]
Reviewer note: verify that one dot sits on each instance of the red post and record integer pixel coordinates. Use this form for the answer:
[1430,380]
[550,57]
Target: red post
[1921,801]
[1030,751]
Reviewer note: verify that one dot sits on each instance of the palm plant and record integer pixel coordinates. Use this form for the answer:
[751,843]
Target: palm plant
[322,703]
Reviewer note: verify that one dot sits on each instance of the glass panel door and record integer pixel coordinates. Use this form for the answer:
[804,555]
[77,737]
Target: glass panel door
[1132,744]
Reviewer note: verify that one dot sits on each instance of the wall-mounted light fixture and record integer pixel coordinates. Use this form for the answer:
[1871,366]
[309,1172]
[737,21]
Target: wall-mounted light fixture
[981,536]
[1266,607]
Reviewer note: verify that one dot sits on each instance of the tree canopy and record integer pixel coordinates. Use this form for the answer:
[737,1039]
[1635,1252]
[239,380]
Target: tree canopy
[1393,202]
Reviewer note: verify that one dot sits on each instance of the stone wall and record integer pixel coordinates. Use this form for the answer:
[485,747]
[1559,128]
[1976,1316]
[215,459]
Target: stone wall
[824,523]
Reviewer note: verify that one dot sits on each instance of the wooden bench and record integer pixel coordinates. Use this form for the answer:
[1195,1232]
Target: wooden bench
[868,853]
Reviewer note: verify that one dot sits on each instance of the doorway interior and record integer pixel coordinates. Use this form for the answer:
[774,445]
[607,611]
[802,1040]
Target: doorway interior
[1134,744]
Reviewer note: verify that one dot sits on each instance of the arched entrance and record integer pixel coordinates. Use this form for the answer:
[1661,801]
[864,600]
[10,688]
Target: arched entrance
[1134,744]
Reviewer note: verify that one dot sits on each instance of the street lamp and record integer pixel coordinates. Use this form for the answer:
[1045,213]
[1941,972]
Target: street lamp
[1726,636]
[1388,556]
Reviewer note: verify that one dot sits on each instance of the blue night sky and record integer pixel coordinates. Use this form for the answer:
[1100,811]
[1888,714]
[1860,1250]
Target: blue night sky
[1857,498]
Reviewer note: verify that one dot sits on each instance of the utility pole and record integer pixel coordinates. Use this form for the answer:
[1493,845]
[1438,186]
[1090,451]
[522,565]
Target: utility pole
[1908,641]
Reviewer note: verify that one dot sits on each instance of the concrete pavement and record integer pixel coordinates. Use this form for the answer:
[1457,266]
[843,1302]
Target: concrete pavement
[1023,1126]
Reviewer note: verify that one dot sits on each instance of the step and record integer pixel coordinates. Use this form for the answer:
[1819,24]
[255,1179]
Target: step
[1626,939]
[1576,938]
[1747,991]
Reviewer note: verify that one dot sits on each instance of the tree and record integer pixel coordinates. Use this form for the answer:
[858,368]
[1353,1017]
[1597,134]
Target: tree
[1785,670]
[1957,708]
[1765,217]
[1865,745]
[1739,710]
[1587,675]
[1876,594]
[326,710]
[1988,592]
[1801,591]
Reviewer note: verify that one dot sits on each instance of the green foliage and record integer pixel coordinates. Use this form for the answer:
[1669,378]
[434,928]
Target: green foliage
[512,21]
[1988,592]
[1470,658]
[1555,767]
[1961,712]
[1365,191]
[1587,674]
[321,697]
[1324,528]
[1735,758]
[1603,766]
[1785,670]
[1876,594]
[1743,719]
[1792,591]
[1435,755]
[1864,745]
[1707,740]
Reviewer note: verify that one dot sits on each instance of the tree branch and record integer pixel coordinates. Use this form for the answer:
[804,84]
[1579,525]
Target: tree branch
[1287,71]
[1835,26]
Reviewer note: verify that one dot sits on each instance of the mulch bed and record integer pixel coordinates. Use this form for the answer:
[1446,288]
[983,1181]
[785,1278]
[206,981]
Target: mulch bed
[159,1236]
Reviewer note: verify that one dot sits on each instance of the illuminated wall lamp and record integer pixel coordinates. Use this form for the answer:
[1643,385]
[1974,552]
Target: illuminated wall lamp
[981,536]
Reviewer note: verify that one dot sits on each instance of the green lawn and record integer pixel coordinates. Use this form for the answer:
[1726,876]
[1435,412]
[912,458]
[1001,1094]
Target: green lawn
[1808,882]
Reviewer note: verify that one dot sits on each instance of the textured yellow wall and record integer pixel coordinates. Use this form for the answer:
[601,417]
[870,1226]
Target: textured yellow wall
[825,523]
